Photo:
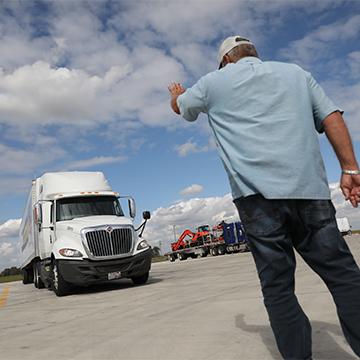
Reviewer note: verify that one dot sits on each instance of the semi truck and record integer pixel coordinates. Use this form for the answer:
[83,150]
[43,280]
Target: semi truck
[75,231]
[223,238]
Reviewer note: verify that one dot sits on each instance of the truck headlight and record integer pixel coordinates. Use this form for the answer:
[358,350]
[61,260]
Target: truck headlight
[70,252]
[143,245]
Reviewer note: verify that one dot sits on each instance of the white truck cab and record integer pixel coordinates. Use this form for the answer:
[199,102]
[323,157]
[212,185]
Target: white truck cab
[74,231]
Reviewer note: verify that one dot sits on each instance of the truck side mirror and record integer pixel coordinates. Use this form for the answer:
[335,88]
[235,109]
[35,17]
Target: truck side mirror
[38,214]
[146,215]
[132,208]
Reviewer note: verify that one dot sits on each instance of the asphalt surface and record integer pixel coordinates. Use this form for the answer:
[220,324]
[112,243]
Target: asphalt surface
[197,309]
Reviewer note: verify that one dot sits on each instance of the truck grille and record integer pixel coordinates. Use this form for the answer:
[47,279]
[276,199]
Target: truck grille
[109,243]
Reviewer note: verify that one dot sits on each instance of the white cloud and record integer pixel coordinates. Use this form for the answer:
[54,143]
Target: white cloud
[14,184]
[10,228]
[9,244]
[28,160]
[317,44]
[354,64]
[348,99]
[191,147]
[198,59]
[6,249]
[95,161]
[40,94]
[319,50]
[192,189]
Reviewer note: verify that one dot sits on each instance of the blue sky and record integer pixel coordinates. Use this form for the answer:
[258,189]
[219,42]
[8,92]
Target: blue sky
[83,86]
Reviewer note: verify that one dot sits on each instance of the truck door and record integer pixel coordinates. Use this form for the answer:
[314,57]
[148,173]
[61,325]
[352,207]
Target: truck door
[46,230]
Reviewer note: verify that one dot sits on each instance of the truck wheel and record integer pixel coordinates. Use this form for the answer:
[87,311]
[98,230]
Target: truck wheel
[59,285]
[221,250]
[140,280]
[194,256]
[214,252]
[28,276]
[38,283]
[182,257]
[171,258]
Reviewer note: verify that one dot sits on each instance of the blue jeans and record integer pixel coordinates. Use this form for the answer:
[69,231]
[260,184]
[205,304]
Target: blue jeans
[274,229]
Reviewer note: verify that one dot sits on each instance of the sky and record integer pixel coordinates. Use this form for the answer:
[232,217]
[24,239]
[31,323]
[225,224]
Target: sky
[83,86]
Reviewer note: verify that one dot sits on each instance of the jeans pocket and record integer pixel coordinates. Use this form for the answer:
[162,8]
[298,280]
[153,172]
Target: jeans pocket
[259,216]
[319,213]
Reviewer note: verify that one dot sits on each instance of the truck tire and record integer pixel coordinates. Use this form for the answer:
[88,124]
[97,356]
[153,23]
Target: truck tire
[38,283]
[221,250]
[204,253]
[28,276]
[171,258]
[59,285]
[182,257]
[194,256]
[140,280]
[214,252]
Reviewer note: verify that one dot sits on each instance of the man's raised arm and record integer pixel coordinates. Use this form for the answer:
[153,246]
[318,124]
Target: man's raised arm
[339,137]
[175,89]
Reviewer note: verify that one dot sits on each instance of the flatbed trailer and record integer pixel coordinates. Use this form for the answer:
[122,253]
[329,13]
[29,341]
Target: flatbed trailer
[223,239]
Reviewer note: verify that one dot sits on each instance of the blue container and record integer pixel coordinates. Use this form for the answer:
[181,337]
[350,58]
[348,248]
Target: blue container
[240,234]
[229,233]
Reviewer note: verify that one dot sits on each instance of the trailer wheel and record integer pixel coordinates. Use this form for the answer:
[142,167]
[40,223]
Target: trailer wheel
[38,283]
[194,256]
[171,258]
[214,252]
[204,254]
[59,285]
[28,276]
[221,250]
[182,257]
[140,280]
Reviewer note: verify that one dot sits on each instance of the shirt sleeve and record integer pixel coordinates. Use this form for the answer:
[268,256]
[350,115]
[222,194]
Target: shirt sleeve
[321,103]
[191,103]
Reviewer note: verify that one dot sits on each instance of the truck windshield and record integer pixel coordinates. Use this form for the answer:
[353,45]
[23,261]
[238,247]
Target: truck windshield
[75,207]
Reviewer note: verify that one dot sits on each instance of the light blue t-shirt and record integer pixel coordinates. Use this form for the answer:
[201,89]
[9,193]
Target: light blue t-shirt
[265,117]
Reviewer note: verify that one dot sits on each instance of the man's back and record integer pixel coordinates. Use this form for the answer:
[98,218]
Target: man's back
[264,116]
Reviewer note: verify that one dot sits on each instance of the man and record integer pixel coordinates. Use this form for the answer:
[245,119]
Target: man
[265,117]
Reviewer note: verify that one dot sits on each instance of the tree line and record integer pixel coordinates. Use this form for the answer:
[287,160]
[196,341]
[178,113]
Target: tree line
[11,271]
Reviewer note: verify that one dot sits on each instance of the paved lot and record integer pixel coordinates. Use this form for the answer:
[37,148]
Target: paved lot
[198,309]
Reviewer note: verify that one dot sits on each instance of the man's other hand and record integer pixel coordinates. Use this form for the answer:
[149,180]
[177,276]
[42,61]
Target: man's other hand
[350,186]
[175,89]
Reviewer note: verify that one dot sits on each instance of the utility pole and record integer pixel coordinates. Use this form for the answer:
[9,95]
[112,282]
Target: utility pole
[174,233]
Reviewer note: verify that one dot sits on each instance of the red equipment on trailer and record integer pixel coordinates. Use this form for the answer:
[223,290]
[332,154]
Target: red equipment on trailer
[195,238]
[218,240]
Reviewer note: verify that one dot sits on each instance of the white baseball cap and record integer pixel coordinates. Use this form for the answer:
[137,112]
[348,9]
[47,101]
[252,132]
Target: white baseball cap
[228,44]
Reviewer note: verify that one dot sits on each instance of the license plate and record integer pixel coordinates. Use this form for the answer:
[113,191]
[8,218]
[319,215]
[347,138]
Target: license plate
[114,275]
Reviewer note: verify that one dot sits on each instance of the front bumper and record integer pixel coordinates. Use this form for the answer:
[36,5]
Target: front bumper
[84,272]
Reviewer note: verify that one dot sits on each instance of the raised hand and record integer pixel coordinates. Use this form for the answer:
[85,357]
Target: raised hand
[175,89]
[350,186]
